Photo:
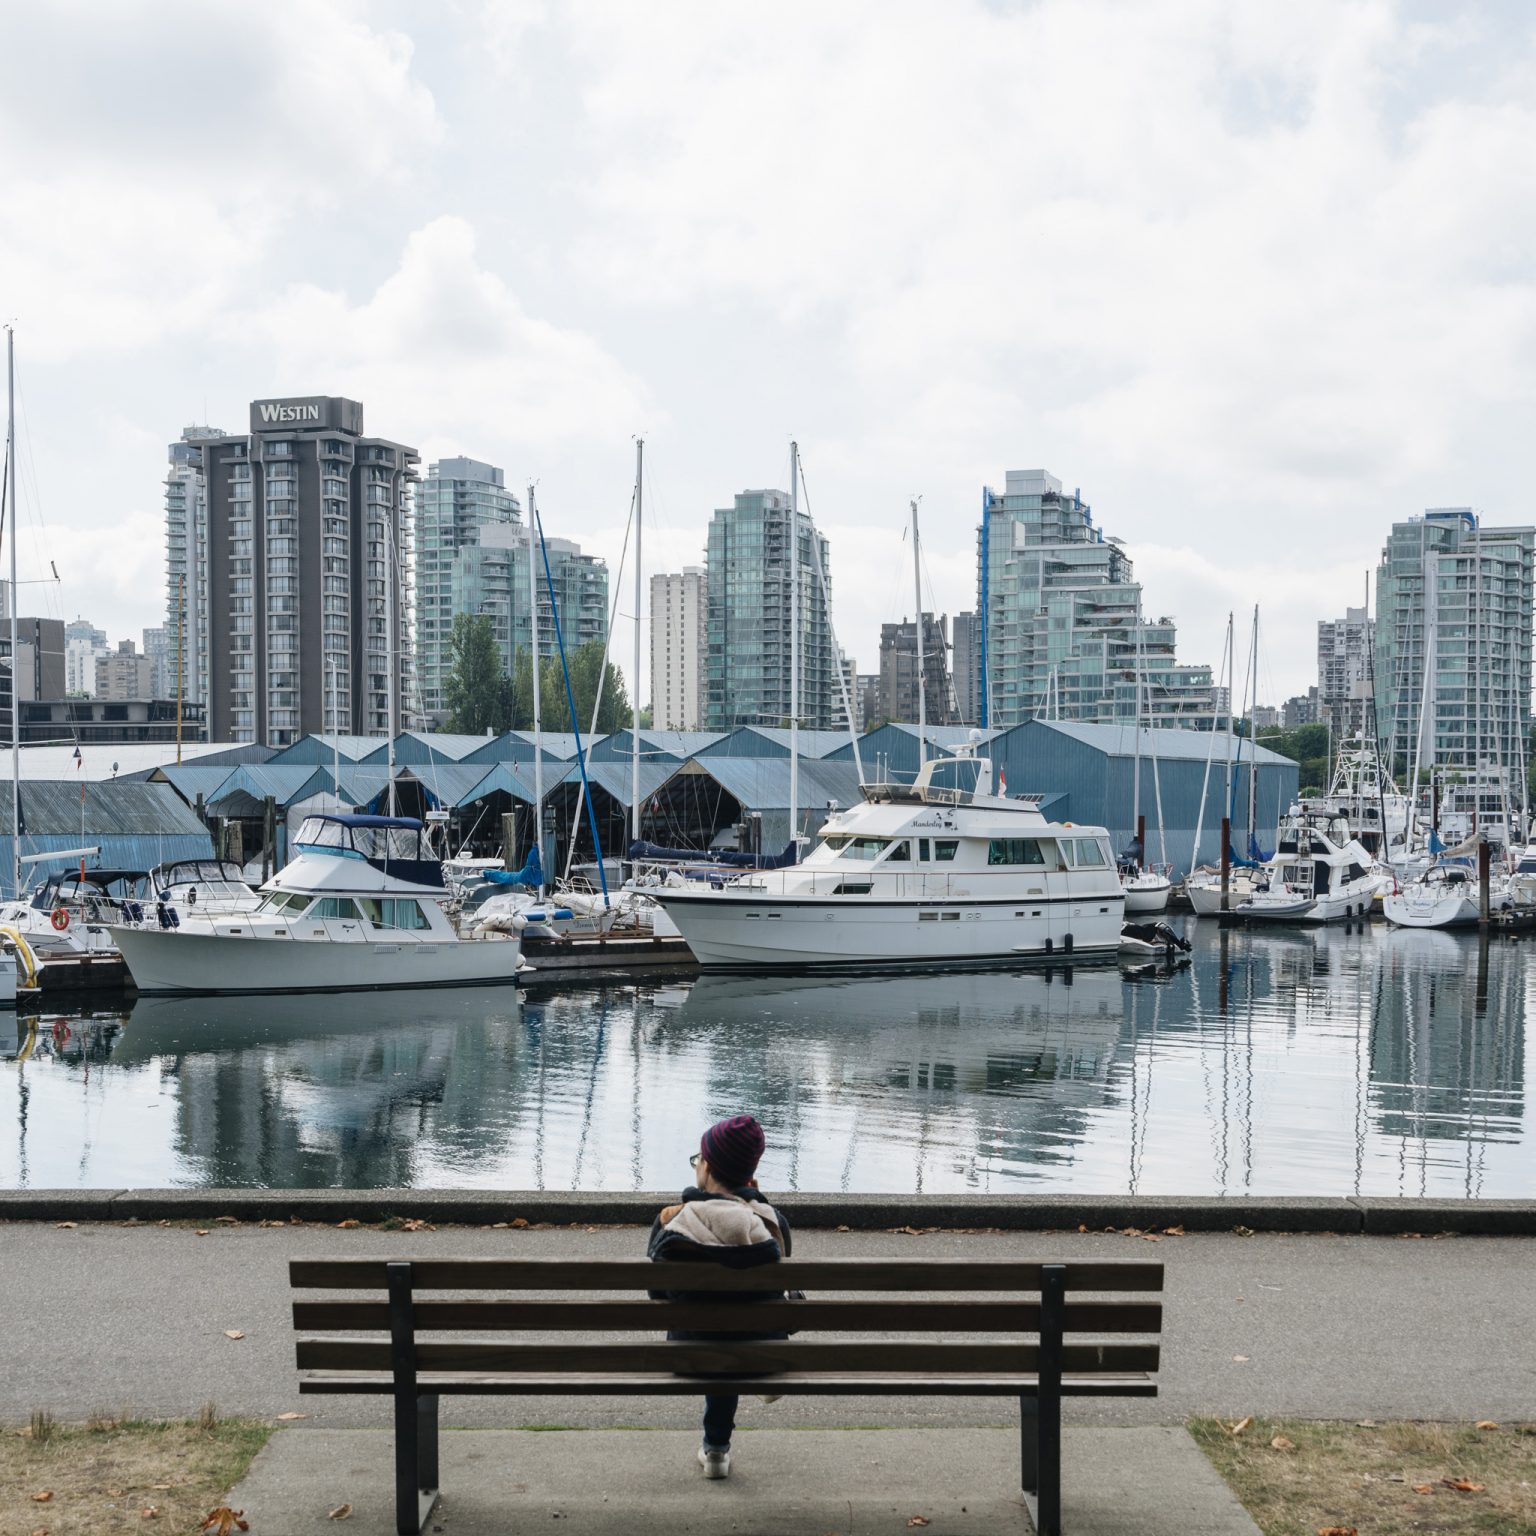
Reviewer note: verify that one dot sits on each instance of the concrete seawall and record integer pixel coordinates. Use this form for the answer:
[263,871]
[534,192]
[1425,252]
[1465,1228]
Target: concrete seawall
[858,1213]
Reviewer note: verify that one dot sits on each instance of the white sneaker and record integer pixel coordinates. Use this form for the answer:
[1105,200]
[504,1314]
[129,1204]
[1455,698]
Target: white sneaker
[716,1464]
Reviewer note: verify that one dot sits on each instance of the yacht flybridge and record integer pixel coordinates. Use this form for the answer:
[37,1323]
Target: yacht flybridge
[363,905]
[942,871]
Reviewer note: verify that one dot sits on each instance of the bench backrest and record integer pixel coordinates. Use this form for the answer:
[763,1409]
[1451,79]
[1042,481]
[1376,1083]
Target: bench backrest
[1002,1301]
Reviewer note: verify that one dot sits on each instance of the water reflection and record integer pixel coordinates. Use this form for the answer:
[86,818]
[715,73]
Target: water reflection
[1307,1062]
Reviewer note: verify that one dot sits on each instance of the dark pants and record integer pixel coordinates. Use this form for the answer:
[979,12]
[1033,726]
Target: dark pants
[719,1421]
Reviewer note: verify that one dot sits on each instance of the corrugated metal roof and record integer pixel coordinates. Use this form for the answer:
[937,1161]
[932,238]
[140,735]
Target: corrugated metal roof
[191,782]
[127,759]
[676,745]
[1164,742]
[119,807]
[325,749]
[762,783]
[285,782]
[517,746]
[412,747]
[615,778]
[451,784]
[773,741]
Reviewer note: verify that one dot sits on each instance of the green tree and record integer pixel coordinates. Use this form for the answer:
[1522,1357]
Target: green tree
[475,690]
[587,672]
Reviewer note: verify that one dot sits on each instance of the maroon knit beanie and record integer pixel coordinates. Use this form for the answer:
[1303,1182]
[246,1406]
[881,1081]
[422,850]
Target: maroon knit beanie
[733,1148]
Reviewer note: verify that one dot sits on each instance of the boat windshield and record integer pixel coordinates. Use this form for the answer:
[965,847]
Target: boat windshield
[372,842]
[865,849]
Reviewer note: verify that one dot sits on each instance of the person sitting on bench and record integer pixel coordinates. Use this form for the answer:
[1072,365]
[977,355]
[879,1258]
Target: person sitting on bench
[722,1219]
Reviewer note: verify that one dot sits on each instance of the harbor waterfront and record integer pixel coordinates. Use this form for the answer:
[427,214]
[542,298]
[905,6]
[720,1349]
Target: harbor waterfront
[1319,1062]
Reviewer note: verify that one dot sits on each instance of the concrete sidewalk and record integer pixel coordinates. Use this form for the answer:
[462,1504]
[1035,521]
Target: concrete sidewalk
[1116,1482]
[116,1318]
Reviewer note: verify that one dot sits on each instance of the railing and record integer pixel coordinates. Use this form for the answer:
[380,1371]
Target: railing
[982,884]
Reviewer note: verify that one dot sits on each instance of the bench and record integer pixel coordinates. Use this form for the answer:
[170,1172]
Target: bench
[979,1308]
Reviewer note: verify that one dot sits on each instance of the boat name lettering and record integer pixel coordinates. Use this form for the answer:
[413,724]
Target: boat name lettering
[934,819]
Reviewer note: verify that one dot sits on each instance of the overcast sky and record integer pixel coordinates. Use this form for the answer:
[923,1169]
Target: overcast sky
[1257,278]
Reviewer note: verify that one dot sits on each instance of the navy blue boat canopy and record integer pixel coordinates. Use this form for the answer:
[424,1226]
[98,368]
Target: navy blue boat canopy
[347,819]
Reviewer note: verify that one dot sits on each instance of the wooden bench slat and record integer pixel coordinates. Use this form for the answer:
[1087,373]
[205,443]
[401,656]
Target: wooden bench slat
[961,1317]
[706,1356]
[798,1384]
[927,1275]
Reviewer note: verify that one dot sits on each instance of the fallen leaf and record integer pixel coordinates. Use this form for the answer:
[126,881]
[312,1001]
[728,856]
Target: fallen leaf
[1173,1231]
[1338,1530]
[1462,1485]
[1243,1231]
[233,1333]
[42,1530]
[1240,1359]
[349,1223]
[1082,1228]
[224,1521]
[918,1520]
[232,1220]
[1240,1426]
[1486,1424]
[150,1512]
[203,1231]
[1282,1443]
[416,1224]
[116,1493]
[1151,1237]
[519,1221]
[66,1226]
[43,1497]
[1423,1487]
[287,1418]
[1365,1423]
[341,1512]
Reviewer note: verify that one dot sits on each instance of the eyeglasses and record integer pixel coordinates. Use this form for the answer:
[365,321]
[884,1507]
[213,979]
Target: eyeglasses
[693,1162]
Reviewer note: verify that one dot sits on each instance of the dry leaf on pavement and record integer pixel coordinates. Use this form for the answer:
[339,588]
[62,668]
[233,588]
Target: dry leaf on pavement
[1486,1424]
[1240,1359]
[233,1333]
[286,1418]
[150,1512]
[1338,1530]
[1423,1487]
[224,1521]
[919,1520]
[349,1223]
[341,1512]
[1462,1485]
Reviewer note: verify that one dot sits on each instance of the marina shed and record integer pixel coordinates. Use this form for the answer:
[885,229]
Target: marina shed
[414,747]
[1093,767]
[705,799]
[517,747]
[131,824]
[131,759]
[324,750]
[773,741]
[657,746]
[889,753]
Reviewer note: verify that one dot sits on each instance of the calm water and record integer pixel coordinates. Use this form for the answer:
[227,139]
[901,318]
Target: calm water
[1326,1062]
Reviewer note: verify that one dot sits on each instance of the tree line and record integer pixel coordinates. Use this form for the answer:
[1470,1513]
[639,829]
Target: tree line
[482,697]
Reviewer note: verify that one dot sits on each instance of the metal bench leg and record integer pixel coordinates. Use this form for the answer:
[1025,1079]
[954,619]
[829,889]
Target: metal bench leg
[415,1417]
[1053,1292]
[1029,1443]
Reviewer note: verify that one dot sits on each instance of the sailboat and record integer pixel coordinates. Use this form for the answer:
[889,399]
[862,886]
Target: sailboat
[1147,889]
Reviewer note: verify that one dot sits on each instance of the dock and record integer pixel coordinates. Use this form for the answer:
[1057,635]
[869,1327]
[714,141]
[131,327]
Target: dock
[560,960]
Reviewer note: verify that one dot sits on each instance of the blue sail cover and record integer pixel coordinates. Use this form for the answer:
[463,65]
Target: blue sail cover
[1435,845]
[532,873]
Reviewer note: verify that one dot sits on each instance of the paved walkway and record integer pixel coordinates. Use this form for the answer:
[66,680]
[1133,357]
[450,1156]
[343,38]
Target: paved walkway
[103,1317]
[1115,1482]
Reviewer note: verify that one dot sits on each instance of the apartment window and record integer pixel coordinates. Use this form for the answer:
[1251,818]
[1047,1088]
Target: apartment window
[279,450]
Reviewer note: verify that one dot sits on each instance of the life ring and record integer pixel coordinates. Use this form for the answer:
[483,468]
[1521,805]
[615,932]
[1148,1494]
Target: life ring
[62,1033]
[60,918]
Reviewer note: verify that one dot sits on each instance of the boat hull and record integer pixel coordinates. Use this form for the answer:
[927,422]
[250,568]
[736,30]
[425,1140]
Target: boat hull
[174,961]
[1455,911]
[1148,900]
[759,932]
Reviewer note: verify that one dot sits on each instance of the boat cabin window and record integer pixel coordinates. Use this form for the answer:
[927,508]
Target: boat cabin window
[866,848]
[285,902]
[1015,850]
[335,906]
[393,912]
[1084,852]
[957,774]
[945,849]
[901,852]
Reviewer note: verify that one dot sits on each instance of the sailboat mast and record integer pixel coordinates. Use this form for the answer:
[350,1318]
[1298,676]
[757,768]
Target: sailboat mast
[917,585]
[1253,757]
[634,703]
[1136,787]
[10,481]
[391,666]
[794,642]
[538,739]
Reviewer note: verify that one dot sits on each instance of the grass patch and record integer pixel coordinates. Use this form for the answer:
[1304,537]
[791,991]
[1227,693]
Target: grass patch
[1389,1479]
[104,1475]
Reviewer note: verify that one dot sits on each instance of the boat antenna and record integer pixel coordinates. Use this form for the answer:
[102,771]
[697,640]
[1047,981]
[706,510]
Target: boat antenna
[634,703]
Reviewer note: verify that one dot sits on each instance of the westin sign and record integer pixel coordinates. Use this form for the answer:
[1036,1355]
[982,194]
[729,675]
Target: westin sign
[328,412]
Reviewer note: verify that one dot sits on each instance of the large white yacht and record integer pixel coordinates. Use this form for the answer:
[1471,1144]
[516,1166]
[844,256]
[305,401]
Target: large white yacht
[938,872]
[1320,873]
[362,906]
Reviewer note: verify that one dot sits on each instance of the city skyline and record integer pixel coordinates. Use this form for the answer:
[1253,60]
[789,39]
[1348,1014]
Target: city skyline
[497,227]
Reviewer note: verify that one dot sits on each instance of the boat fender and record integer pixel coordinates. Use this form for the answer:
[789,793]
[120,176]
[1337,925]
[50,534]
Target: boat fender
[60,918]
[1066,943]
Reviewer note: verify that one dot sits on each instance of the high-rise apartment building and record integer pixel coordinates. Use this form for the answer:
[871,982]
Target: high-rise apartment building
[158,646]
[748,617]
[125,674]
[1454,613]
[456,504]
[186,558]
[1344,672]
[83,643]
[39,671]
[898,671]
[678,647]
[1064,629]
[840,719]
[965,638]
[301,608]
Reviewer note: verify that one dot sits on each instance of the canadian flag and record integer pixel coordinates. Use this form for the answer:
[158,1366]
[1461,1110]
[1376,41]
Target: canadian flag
[1002,783]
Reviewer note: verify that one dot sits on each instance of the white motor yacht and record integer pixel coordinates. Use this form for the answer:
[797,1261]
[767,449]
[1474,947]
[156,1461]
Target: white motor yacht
[74,913]
[362,906]
[1321,873]
[938,872]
